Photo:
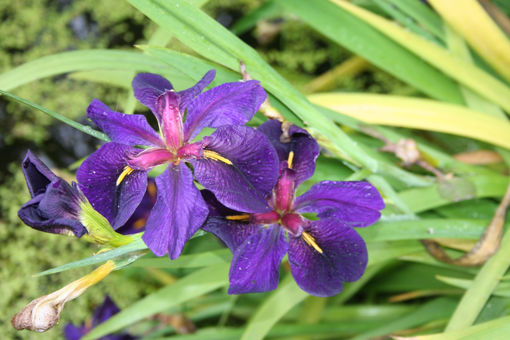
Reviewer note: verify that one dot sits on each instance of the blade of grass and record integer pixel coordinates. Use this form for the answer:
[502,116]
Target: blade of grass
[485,37]
[362,39]
[483,286]
[78,61]
[134,246]
[419,114]
[198,283]
[83,128]
[466,73]
[267,315]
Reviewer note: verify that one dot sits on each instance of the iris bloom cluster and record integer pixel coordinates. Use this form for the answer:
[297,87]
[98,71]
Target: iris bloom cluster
[248,179]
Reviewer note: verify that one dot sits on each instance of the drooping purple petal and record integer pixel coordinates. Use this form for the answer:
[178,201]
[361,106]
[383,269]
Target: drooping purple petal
[97,178]
[189,94]
[255,266]
[356,204]
[178,213]
[137,221]
[232,232]
[122,128]
[343,259]
[37,174]
[305,148]
[34,217]
[227,104]
[245,184]
[148,87]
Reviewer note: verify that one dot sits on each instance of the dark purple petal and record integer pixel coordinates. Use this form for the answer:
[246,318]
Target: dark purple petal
[189,94]
[102,313]
[227,104]
[245,184]
[37,174]
[178,213]
[122,128]
[255,266]
[34,217]
[305,148]
[232,232]
[98,175]
[343,259]
[137,221]
[356,204]
[72,332]
[148,87]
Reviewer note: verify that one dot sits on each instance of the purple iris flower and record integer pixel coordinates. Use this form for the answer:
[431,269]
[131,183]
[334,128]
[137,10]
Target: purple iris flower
[55,206]
[58,207]
[101,314]
[236,163]
[323,253]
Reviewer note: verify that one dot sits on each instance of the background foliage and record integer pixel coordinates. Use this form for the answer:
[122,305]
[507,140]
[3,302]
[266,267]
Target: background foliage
[322,47]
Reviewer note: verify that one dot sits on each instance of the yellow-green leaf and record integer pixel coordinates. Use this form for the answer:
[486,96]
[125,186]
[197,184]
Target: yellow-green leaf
[416,113]
[480,31]
[460,70]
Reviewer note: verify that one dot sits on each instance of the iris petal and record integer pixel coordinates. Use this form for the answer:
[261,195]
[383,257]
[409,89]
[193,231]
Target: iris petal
[178,213]
[232,232]
[148,87]
[227,104]
[122,128]
[305,148]
[256,263]
[343,258]
[37,174]
[245,184]
[356,204]
[97,178]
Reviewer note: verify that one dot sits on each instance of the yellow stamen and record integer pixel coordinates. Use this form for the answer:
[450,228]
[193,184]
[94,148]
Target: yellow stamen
[311,241]
[238,217]
[127,170]
[290,159]
[216,156]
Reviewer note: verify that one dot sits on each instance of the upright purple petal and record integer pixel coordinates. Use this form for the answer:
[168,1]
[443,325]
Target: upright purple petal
[232,232]
[148,87]
[245,184]
[227,104]
[178,213]
[189,94]
[37,174]
[305,148]
[356,204]
[122,128]
[255,267]
[343,259]
[97,178]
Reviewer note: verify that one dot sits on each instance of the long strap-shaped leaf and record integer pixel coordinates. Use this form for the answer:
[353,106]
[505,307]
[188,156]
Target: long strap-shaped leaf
[473,23]
[79,61]
[464,72]
[277,305]
[211,40]
[361,38]
[420,114]
[198,283]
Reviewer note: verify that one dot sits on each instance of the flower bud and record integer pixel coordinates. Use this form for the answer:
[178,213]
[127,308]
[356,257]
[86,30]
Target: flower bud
[44,312]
